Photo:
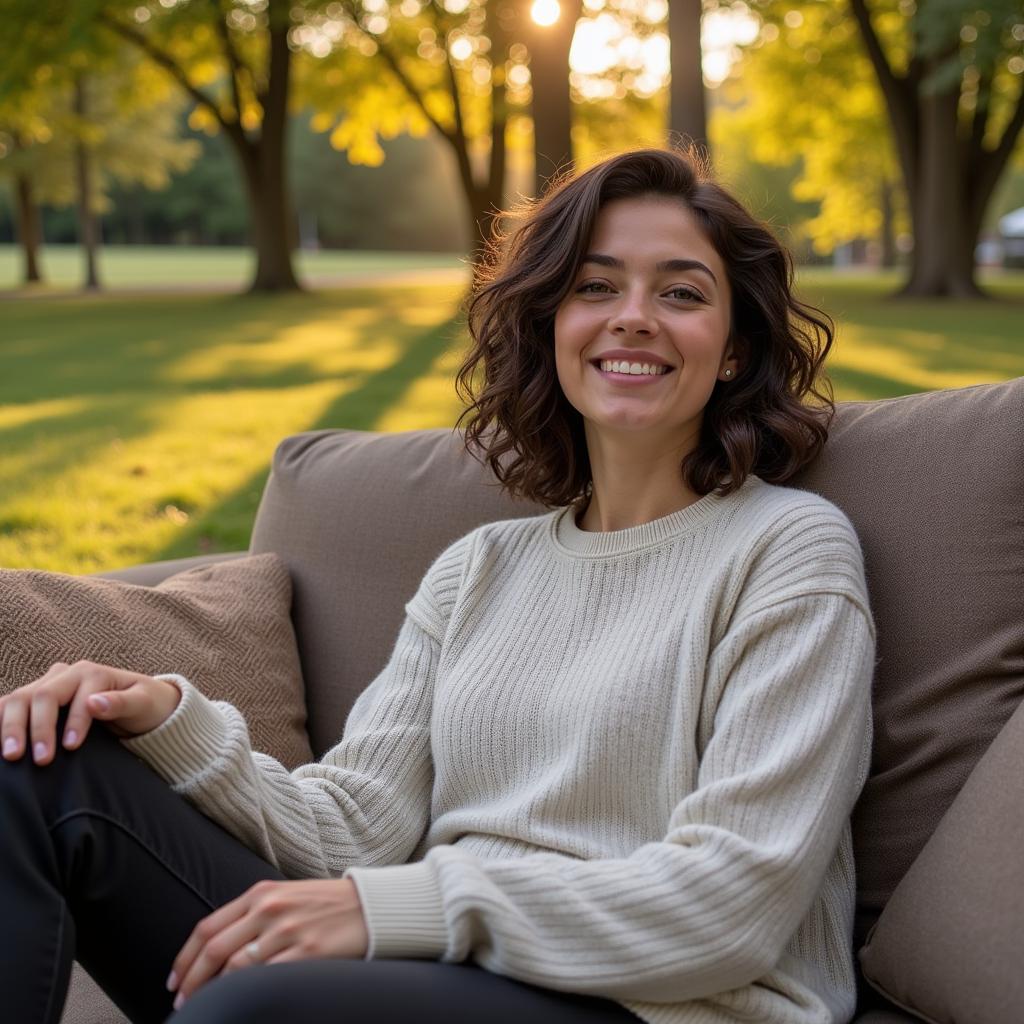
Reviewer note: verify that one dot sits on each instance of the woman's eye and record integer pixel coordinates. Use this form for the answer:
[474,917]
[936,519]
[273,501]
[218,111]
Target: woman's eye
[591,285]
[687,294]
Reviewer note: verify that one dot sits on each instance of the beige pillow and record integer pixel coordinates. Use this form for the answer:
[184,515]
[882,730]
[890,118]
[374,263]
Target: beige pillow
[226,627]
[947,947]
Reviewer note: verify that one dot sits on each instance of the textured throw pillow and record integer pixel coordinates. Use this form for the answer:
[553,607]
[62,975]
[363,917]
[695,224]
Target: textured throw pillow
[225,627]
[947,947]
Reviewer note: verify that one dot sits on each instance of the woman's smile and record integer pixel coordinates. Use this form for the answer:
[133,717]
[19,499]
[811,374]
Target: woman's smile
[630,379]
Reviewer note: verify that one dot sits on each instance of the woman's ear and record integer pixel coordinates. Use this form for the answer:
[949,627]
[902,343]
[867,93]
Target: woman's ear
[735,355]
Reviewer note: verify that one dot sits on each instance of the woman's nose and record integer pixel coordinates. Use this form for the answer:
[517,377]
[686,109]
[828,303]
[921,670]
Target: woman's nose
[633,315]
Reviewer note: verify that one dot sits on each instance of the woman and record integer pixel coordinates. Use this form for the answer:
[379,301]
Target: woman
[608,769]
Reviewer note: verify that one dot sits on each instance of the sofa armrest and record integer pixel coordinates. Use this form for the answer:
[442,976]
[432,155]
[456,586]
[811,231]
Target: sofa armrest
[151,573]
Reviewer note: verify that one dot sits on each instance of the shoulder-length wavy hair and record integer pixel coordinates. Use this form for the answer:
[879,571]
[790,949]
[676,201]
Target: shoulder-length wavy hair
[518,416]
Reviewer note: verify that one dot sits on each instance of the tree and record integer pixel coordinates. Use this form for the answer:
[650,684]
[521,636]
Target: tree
[804,97]
[948,80]
[687,112]
[73,135]
[549,45]
[230,57]
[234,61]
[21,126]
[955,102]
[454,69]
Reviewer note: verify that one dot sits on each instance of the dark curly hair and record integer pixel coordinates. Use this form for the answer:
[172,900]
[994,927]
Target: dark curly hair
[519,418]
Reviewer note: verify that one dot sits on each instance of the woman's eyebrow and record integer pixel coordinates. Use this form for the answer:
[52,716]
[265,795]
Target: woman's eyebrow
[610,261]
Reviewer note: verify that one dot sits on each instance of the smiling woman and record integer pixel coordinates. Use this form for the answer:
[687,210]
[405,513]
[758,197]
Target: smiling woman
[610,762]
[643,258]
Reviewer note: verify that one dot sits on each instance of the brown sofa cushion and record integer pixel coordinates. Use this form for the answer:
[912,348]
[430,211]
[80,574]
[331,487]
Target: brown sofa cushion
[934,485]
[947,945]
[226,627]
[358,517]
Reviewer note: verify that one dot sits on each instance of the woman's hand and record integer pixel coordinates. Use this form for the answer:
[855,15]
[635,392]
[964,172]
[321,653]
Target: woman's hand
[291,920]
[127,702]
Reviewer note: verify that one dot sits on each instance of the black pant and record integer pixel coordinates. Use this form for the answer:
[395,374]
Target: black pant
[101,862]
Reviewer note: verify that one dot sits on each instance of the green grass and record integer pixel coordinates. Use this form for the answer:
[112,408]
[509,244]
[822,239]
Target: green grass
[140,429]
[886,347]
[175,267]
[136,428]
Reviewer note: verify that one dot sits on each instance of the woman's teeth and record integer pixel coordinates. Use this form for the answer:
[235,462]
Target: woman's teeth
[615,366]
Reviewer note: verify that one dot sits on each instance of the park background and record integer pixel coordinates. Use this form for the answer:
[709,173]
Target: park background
[226,221]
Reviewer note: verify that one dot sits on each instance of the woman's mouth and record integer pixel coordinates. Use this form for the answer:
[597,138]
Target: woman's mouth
[626,373]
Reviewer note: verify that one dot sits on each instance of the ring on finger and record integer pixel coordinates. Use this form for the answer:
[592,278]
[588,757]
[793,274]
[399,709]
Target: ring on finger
[252,950]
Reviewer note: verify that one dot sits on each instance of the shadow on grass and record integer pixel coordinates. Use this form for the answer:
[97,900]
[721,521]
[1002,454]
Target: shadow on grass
[227,525]
[860,382]
[126,346]
[41,437]
[117,362]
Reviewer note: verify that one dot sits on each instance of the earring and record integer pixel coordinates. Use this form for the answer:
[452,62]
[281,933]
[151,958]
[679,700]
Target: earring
[728,373]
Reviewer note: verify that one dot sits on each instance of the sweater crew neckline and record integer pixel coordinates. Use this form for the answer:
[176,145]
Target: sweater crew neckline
[569,539]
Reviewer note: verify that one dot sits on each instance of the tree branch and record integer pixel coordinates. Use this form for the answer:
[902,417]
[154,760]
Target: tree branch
[992,164]
[235,65]
[883,69]
[453,84]
[899,93]
[169,64]
[972,147]
[415,95]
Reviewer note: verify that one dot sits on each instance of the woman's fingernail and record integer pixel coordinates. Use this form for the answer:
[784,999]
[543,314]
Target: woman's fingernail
[70,738]
[39,750]
[10,745]
[172,981]
[101,702]
[179,1001]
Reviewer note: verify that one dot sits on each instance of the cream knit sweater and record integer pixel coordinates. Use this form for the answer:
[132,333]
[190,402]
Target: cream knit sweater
[619,764]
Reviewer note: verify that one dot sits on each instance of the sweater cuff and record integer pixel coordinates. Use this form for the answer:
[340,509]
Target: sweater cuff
[188,742]
[403,910]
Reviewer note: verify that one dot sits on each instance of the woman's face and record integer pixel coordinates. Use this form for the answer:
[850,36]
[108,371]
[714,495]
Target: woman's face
[651,289]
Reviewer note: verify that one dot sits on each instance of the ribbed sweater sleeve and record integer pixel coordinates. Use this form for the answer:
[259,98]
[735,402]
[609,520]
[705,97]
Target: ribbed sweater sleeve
[366,802]
[712,905]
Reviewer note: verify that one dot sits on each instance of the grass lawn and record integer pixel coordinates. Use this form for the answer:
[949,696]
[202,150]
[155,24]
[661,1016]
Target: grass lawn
[141,428]
[197,267]
[886,348]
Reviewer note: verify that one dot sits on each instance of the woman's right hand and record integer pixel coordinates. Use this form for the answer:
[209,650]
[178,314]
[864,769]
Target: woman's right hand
[127,702]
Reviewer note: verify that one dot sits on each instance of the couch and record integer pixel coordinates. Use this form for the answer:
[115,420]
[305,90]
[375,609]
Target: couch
[934,484]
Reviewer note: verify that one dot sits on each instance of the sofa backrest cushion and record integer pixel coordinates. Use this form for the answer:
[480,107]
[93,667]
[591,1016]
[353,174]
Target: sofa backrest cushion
[933,483]
[358,517]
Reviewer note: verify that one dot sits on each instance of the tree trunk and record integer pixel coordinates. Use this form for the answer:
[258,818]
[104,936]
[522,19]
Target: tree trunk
[88,228]
[944,237]
[551,107]
[268,221]
[687,112]
[888,234]
[484,198]
[29,233]
[264,163]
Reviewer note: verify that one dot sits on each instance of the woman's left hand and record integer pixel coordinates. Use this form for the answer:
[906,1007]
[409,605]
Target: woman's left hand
[289,920]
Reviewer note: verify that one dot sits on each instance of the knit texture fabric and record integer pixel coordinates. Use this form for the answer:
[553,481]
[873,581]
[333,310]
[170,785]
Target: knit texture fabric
[619,764]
